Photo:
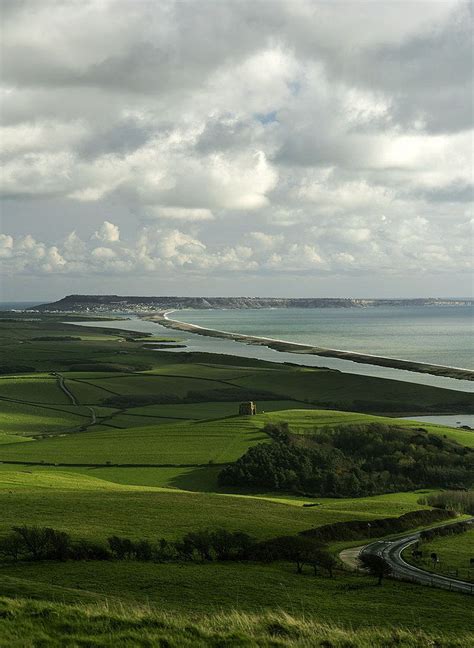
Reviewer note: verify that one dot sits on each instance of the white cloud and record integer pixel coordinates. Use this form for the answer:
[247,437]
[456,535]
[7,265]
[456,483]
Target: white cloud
[6,245]
[265,241]
[269,137]
[169,174]
[331,247]
[108,232]
[103,253]
[181,213]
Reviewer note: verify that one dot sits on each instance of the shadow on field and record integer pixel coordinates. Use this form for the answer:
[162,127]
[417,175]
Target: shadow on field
[205,480]
[197,479]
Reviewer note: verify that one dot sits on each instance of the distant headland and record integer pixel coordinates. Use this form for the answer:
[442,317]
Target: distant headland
[107,303]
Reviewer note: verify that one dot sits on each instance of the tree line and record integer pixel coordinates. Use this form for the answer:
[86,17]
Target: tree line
[230,394]
[36,544]
[351,461]
[442,531]
[378,527]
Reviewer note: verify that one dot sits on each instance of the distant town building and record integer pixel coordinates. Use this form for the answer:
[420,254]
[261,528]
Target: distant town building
[247,409]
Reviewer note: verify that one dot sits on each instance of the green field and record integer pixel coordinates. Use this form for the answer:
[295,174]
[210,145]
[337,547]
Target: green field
[10,438]
[42,389]
[186,443]
[164,442]
[351,600]
[89,506]
[173,373]
[189,479]
[150,467]
[211,410]
[61,499]
[454,554]
[32,420]
[110,624]
[84,391]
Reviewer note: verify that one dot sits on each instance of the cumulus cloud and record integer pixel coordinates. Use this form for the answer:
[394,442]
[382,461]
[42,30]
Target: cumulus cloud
[181,213]
[333,246]
[6,246]
[108,232]
[270,137]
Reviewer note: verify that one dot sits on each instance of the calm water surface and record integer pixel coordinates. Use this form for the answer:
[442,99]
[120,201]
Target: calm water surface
[451,420]
[436,334]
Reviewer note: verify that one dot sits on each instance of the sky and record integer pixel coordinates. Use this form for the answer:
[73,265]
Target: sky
[234,147]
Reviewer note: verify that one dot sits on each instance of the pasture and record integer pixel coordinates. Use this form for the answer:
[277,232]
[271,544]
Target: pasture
[62,499]
[179,443]
[454,553]
[126,405]
[354,601]
[140,440]
[29,420]
[174,373]
[303,420]
[41,389]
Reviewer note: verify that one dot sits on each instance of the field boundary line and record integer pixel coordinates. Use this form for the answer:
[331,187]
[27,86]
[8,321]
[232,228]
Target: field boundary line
[42,406]
[85,382]
[112,465]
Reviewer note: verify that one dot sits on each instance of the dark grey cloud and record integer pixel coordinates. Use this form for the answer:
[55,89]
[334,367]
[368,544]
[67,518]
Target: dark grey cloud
[121,138]
[228,133]
[452,193]
[430,76]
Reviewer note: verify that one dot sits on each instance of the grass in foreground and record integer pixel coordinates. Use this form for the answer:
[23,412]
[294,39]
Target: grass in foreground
[27,624]
[350,600]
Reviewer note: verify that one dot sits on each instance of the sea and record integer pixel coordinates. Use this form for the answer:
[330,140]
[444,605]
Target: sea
[441,335]
[435,334]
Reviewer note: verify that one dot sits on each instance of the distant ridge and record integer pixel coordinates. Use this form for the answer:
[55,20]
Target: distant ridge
[102,303]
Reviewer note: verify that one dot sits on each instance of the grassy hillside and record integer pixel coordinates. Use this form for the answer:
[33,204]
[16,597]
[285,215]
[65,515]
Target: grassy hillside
[454,554]
[301,420]
[27,419]
[188,442]
[104,400]
[34,389]
[113,626]
[355,601]
[91,507]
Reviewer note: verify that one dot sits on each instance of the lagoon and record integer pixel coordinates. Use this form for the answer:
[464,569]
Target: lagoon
[199,343]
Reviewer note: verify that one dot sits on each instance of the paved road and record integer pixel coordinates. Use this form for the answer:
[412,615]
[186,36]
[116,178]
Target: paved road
[350,557]
[391,551]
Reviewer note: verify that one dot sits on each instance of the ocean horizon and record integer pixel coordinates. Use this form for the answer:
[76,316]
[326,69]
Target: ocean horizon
[18,305]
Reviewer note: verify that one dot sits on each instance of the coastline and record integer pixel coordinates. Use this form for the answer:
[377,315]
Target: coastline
[162,317]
